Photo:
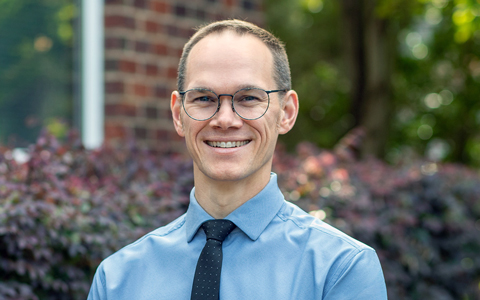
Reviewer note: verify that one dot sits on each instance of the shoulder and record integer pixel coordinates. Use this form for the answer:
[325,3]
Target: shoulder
[336,256]
[319,235]
[144,245]
[123,270]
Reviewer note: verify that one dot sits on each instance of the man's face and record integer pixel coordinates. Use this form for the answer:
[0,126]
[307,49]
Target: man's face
[225,63]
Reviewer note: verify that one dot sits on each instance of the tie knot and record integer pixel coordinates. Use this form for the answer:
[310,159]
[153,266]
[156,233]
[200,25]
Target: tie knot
[218,229]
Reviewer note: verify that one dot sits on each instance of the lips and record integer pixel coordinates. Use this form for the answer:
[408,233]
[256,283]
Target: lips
[228,144]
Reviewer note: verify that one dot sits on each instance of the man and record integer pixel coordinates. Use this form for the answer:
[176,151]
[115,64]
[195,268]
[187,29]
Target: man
[234,100]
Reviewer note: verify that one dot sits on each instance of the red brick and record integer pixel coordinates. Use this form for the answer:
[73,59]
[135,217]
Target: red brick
[114,131]
[127,66]
[141,46]
[153,59]
[172,73]
[172,51]
[189,32]
[229,3]
[115,43]
[151,112]
[125,110]
[176,137]
[114,87]
[248,5]
[180,10]
[111,65]
[119,21]
[219,17]
[179,53]
[151,70]
[152,27]
[167,114]
[200,14]
[140,3]
[140,132]
[113,21]
[159,6]
[162,134]
[161,91]
[140,90]
[160,49]
[172,30]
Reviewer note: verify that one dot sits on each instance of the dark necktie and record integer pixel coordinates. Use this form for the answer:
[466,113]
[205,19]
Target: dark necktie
[206,283]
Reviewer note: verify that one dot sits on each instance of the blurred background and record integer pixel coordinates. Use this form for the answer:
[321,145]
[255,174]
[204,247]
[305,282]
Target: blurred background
[38,47]
[407,72]
[386,147]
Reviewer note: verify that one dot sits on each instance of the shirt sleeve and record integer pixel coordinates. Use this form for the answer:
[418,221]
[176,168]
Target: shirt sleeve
[97,290]
[361,278]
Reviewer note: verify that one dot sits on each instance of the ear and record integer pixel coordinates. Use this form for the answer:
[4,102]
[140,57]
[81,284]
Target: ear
[176,107]
[289,112]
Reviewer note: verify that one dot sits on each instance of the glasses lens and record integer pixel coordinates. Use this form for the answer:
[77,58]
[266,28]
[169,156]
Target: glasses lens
[200,104]
[251,103]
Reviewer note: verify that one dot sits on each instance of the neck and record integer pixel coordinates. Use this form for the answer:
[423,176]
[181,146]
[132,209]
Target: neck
[220,198]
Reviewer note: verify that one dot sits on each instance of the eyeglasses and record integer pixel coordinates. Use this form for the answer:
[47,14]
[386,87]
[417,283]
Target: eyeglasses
[249,103]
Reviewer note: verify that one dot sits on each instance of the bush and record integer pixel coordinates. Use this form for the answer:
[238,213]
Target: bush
[422,218]
[68,208]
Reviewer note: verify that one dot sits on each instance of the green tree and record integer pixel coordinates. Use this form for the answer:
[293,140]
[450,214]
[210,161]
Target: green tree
[405,70]
[36,67]
[437,80]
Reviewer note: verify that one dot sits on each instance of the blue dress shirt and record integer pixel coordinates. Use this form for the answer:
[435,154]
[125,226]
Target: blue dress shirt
[276,252]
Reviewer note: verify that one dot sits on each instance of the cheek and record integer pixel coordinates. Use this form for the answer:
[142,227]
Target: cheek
[191,131]
[280,117]
[270,130]
[275,121]
[182,120]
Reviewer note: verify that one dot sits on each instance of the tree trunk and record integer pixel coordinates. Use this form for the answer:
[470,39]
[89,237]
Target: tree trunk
[370,60]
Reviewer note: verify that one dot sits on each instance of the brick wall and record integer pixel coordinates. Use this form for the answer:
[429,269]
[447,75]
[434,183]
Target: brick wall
[143,44]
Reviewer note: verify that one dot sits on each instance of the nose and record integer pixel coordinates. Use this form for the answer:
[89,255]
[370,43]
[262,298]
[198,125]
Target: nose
[226,117]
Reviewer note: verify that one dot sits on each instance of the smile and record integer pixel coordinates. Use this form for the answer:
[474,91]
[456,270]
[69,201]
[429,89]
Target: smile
[227,144]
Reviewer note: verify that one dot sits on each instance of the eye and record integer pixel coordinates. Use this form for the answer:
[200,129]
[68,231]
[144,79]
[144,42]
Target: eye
[248,98]
[204,99]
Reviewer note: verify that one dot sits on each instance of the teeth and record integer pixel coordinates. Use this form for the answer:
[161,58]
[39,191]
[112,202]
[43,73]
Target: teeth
[227,144]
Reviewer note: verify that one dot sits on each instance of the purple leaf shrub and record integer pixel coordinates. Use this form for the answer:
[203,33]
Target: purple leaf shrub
[67,208]
[422,218]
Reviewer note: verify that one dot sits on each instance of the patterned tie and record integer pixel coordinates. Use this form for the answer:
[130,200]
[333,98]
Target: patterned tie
[206,284]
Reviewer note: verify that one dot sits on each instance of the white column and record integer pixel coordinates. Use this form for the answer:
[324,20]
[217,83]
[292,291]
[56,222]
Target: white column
[92,73]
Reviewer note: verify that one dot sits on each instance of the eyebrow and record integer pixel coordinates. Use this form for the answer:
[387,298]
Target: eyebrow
[240,87]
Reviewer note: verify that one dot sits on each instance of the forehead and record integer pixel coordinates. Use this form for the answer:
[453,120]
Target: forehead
[227,60]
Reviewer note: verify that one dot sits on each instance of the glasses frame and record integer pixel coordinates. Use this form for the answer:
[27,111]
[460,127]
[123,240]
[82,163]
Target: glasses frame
[231,99]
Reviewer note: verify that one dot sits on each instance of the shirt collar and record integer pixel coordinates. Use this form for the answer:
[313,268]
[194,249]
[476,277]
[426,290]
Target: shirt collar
[252,217]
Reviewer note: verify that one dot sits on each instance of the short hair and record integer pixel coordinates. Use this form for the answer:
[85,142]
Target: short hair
[281,69]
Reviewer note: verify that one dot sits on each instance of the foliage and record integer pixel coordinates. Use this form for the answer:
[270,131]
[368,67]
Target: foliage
[317,67]
[422,218]
[67,208]
[37,68]
[437,82]
[434,83]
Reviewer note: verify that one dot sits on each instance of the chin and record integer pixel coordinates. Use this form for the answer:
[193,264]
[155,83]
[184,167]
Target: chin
[225,176]
[224,173]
